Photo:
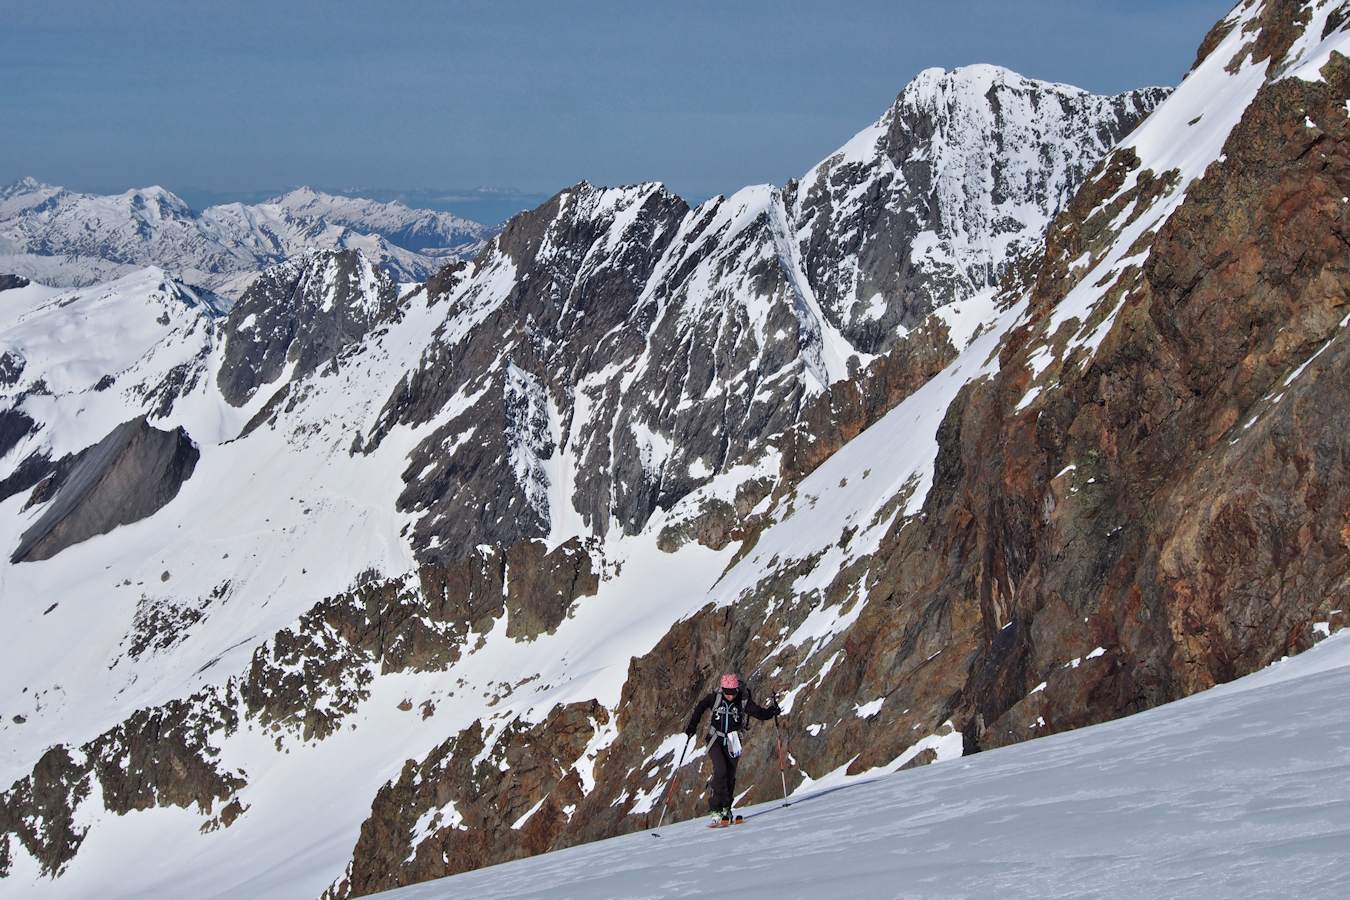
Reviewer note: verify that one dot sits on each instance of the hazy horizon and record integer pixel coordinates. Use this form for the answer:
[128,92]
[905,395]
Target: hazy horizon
[247,101]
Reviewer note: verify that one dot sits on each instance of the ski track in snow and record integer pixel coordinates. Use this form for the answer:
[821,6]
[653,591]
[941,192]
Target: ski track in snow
[1240,791]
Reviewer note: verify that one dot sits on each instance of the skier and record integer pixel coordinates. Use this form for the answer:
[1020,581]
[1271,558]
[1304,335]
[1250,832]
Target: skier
[729,707]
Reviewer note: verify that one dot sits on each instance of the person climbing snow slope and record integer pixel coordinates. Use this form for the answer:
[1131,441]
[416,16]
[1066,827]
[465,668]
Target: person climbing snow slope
[729,705]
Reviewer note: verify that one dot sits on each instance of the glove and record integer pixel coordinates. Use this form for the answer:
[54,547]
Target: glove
[689,732]
[775,709]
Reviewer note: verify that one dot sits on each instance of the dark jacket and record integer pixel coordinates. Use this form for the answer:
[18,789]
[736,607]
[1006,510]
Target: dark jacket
[729,717]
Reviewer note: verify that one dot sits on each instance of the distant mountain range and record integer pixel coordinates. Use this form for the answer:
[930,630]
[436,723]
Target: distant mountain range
[70,239]
[489,205]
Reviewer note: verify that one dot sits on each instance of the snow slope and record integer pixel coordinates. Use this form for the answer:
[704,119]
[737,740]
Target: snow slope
[1240,791]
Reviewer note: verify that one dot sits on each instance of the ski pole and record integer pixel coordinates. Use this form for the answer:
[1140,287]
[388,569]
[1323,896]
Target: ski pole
[674,779]
[782,752]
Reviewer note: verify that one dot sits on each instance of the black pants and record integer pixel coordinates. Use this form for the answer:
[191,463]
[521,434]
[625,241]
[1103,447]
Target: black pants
[724,776]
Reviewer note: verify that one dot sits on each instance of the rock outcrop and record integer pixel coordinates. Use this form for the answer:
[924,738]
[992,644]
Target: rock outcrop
[124,478]
[15,425]
[512,805]
[1182,500]
[299,315]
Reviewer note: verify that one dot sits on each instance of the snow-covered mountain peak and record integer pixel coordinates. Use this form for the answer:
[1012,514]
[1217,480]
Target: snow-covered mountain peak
[342,274]
[933,201]
[975,81]
[421,230]
[24,195]
[25,185]
[603,200]
[156,204]
[302,195]
[571,221]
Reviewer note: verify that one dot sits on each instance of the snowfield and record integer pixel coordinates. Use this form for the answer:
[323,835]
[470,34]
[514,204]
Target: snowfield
[1240,791]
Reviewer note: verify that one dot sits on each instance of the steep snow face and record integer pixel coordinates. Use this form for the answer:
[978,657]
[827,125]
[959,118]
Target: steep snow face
[1233,792]
[67,238]
[936,199]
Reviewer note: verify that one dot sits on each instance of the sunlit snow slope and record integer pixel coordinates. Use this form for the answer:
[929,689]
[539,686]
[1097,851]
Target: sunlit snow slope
[1240,791]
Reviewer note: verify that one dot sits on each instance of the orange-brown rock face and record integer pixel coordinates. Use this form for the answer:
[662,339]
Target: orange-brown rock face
[1178,499]
[457,807]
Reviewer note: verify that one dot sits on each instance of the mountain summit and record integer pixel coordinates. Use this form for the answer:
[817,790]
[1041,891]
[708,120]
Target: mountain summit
[937,198]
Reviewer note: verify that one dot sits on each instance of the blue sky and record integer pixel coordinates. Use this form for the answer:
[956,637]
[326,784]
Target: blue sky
[244,96]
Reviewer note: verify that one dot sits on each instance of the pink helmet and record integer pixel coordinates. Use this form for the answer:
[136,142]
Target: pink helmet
[730,682]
